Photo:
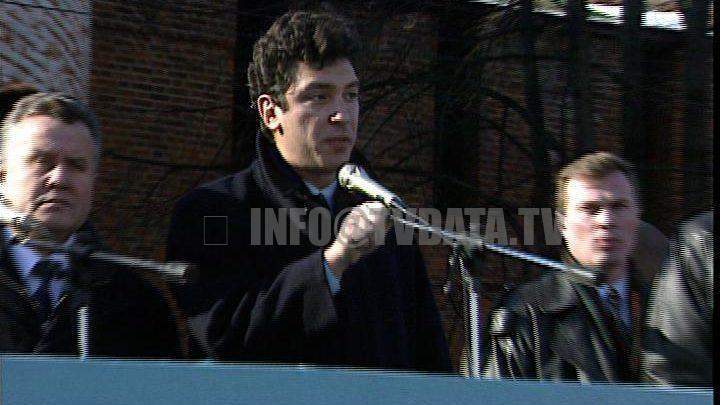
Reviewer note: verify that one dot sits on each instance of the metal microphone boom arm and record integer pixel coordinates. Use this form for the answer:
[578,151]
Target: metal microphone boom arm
[578,273]
[355,179]
[25,225]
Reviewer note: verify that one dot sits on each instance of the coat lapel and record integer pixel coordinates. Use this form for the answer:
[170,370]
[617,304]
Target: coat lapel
[592,350]
[284,188]
[10,282]
[581,335]
[18,312]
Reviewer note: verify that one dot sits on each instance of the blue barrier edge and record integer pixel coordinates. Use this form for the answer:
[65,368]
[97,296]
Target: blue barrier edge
[43,380]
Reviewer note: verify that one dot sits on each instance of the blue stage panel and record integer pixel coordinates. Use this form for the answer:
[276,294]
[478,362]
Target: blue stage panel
[42,380]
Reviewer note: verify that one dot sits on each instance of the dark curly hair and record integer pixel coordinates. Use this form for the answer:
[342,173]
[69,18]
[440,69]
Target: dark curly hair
[315,38]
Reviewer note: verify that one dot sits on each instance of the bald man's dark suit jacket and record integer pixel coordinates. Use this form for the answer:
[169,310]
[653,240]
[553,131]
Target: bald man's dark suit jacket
[130,316]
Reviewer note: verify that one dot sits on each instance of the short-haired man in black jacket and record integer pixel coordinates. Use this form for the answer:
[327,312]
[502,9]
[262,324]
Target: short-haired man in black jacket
[555,328]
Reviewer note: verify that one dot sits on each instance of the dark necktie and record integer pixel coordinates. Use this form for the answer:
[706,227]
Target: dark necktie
[46,270]
[321,197]
[615,313]
[324,202]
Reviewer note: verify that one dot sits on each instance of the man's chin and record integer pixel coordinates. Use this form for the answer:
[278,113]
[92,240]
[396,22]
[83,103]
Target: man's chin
[609,266]
[330,165]
[603,262]
[57,231]
[334,159]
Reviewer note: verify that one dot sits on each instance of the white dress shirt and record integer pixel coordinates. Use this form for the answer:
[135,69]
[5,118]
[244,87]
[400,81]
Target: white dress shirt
[25,258]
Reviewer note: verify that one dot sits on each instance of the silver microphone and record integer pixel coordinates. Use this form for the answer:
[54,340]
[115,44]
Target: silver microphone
[354,178]
[22,225]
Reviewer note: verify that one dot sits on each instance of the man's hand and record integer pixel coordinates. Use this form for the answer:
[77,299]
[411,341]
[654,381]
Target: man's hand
[361,232]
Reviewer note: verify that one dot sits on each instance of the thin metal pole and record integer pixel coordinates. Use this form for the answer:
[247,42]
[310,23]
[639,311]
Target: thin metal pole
[471,297]
[473,242]
[83,332]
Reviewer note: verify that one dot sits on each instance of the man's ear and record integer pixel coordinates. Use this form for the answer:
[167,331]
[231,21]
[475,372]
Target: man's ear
[270,112]
[560,222]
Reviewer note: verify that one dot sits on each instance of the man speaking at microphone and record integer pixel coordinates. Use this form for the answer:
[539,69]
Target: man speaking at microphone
[354,300]
[49,155]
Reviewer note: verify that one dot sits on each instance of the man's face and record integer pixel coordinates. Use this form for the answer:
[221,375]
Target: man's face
[319,125]
[601,221]
[49,172]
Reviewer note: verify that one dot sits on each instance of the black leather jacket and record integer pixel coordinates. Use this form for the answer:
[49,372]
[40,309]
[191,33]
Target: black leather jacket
[679,334]
[556,329]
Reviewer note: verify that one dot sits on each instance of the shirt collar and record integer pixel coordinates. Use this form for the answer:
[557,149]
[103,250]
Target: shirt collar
[622,286]
[327,192]
[25,258]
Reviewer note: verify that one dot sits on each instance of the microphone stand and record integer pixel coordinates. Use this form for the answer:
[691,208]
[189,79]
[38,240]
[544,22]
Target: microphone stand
[457,262]
[176,272]
[82,253]
[463,246]
[81,281]
[354,178]
[577,273]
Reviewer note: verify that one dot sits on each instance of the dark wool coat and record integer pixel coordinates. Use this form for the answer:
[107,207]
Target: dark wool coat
[272,303]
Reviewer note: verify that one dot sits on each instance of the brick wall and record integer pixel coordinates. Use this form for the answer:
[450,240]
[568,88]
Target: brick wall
[162,87]
[661,166]
[48,44]
[503,163]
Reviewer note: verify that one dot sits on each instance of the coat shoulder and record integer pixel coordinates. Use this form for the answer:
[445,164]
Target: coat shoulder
[232,190]
[551,292]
